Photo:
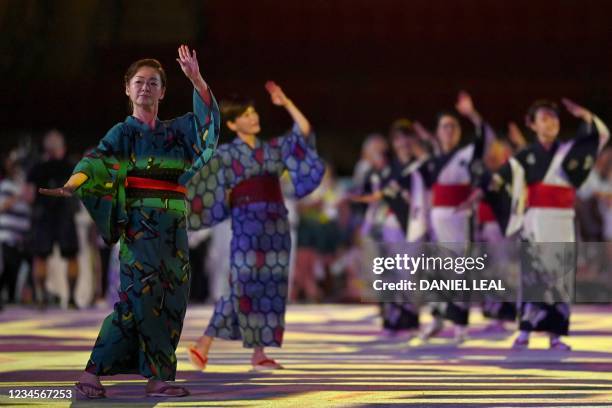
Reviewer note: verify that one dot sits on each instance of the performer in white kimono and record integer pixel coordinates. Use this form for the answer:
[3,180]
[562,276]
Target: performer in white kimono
[535,190]
[493,240]
[450,176]
[395,190]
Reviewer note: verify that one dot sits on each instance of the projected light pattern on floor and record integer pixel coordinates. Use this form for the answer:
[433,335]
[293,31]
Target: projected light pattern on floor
[334,355]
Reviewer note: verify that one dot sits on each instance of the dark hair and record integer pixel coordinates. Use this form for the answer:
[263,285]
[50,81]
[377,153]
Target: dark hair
[444,113]
[403,126]
[541,104]
[234,106]
[146,62]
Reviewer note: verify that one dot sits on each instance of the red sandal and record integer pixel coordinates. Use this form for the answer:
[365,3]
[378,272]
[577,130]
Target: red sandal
[197,360]
[267,364]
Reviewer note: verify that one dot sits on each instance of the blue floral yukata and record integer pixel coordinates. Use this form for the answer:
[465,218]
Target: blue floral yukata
[134,193]
[243,183]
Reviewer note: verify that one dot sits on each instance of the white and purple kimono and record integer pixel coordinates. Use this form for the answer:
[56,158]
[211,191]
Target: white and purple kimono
[534,193]
[450,178]
[403,218]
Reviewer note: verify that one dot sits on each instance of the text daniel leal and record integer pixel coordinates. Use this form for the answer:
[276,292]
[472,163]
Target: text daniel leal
[449,284]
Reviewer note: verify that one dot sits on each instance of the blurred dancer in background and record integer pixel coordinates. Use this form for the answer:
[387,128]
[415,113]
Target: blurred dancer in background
[450,175]
[548,173]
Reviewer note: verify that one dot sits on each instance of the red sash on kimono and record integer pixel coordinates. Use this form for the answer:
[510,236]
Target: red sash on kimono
[485,213]
[550,196]
[450,195]
[264,188]
[142,183]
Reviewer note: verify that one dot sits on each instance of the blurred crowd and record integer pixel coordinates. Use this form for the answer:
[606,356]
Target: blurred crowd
[51,254]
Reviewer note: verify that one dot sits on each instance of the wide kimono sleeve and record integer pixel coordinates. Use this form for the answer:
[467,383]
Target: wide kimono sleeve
[300,158]
[103,193]
[506,192]
[485,135]
[199,133]
[583,151]
[206,194]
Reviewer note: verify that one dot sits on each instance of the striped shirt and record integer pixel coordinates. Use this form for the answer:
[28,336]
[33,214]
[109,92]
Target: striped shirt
[15,221]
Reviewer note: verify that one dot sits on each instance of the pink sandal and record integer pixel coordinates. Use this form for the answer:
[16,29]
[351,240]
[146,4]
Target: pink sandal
[520,344]
[99,391]
[558,345]
[197,360]
[163,391]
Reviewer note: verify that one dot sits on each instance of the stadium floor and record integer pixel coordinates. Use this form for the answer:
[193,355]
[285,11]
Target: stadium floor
[334,356]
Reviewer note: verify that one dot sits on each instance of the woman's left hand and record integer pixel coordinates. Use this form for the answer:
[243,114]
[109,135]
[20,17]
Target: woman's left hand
[276,94]
[188,61]
[577,110]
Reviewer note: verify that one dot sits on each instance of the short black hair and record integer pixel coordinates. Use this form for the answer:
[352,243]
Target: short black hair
[444,113]
[234,106]
[541,104]
[404,126]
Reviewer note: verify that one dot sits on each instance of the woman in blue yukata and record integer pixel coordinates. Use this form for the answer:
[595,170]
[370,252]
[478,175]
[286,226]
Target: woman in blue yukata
[132,184]
[242,182]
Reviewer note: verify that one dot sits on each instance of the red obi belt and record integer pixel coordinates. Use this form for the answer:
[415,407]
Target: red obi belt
[140,186]
[550,196]
[450,195]
[485,213]
[256,189]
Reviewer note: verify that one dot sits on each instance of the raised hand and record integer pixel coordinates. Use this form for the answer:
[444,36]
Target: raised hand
[276,94]
[188,61]
[516,136]
[465,104]
[577,110]
[422,132]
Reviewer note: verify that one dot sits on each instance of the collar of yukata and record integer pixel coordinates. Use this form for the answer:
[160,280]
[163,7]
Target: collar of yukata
[551,150]
[139,124]
[238,141]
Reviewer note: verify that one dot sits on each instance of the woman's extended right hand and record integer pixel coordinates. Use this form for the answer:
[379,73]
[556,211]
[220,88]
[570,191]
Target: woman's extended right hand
[56,192]
[72,184]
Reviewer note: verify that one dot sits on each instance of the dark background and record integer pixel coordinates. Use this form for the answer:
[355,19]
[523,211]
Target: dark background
[351,65]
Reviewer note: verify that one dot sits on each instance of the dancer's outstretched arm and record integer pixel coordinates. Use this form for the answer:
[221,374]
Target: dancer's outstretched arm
[280,99]
[72,184]
[188,61]
[592,121]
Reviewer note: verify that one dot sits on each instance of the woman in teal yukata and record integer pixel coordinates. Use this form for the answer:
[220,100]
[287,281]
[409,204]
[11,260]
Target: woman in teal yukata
[242,182]
[133,186]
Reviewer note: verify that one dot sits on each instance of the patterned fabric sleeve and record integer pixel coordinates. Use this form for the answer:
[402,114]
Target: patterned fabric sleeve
[199,132]
[484,137]
[506,192]
[206,194]
[299,154]
[585,147]
[103,193]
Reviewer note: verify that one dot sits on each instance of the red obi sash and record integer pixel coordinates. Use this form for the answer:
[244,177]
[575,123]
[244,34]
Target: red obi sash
[264,188]
[152,184]
[485,213]
[551,196]
[450,195]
